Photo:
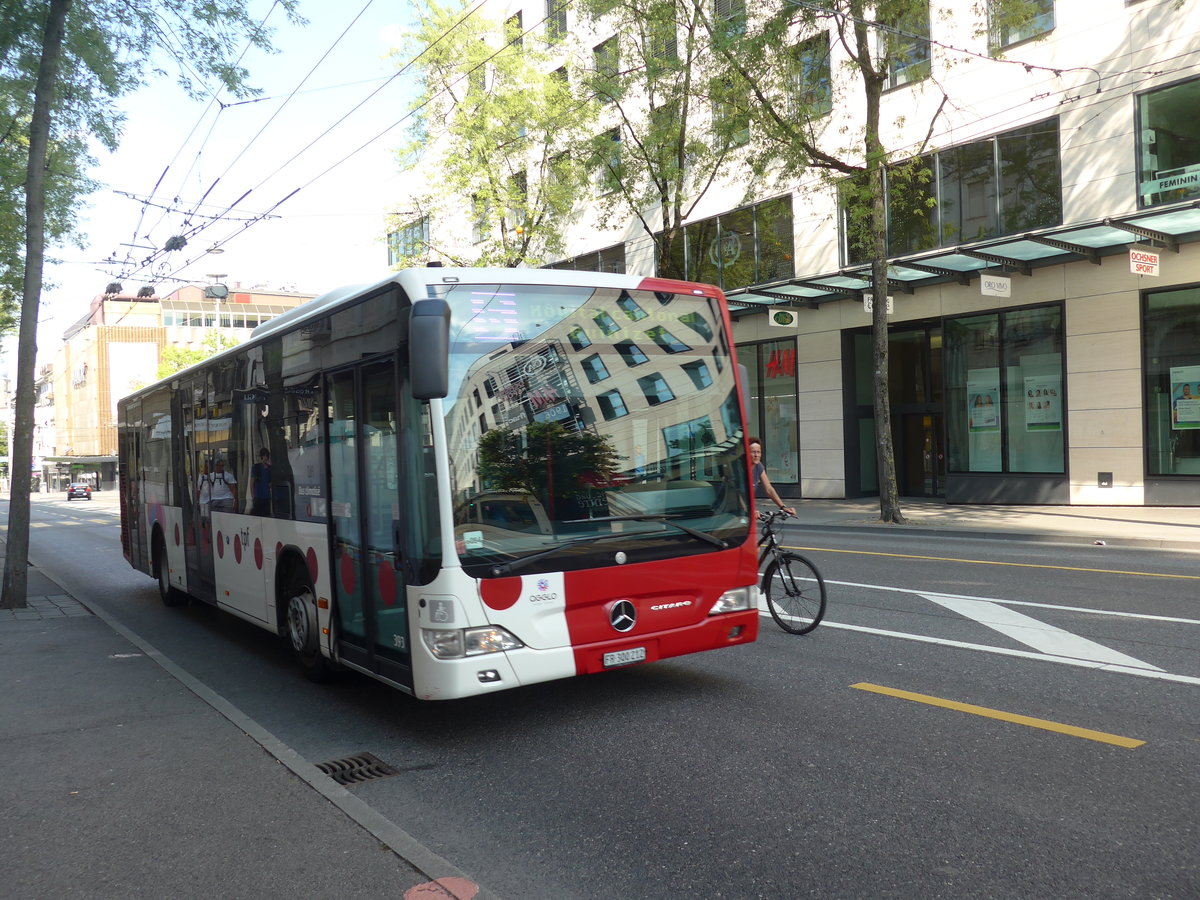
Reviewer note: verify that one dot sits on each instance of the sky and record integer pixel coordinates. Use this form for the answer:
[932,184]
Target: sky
[327,234]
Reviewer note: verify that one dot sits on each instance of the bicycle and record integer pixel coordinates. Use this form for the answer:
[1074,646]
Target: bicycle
[794,589]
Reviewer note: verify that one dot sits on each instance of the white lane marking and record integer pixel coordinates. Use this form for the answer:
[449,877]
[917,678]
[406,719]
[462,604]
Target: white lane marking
[1038,635]
[1033,603]
[1004,651]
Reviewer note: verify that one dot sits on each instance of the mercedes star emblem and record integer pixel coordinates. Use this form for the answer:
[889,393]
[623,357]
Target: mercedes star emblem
[623,615]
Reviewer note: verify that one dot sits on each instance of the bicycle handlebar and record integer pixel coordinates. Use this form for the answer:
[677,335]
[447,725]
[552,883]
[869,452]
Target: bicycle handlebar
[773,515]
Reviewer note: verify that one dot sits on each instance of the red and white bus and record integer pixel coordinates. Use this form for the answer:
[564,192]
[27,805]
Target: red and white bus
[459,481]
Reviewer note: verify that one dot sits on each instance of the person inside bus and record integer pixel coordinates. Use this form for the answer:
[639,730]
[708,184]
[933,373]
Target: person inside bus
[223,490]
[759,477]
[260,480]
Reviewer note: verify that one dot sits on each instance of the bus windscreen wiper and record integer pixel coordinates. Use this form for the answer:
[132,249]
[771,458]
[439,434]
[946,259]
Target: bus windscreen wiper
[509,567]
[668,520]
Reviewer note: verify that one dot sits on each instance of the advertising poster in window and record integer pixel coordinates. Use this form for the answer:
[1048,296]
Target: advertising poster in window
[1043,403]
[983,401]
[1185,398]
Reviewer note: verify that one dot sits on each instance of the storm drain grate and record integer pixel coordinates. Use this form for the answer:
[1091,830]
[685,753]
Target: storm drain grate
[356,768]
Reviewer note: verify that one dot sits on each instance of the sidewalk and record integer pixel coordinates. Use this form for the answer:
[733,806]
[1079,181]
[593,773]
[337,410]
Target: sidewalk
[123,777]
[1166,527]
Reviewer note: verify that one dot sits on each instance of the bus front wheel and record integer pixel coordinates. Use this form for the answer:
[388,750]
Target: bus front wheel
[302,631]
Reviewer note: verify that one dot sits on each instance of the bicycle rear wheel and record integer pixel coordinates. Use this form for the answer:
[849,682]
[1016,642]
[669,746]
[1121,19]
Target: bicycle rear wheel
[795,593]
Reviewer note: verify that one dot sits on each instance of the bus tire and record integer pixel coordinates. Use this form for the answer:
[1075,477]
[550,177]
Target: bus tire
[170,596]
[301,629]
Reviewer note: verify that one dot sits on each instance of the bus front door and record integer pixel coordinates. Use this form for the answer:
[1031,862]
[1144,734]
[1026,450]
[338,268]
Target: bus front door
[364,490]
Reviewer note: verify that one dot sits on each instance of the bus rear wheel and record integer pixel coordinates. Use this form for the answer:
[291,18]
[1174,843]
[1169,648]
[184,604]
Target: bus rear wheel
[169,595]
[302,630]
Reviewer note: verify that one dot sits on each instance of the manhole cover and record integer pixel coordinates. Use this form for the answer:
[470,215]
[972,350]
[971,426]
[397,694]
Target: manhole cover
[356,768]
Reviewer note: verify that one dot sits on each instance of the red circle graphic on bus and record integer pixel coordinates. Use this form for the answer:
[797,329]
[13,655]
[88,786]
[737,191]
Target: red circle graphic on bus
[387,583]
[237,548]
[278,548]
[500,593]
[176,534]
[220,545]
[346,564]
[311,558]
[258,554]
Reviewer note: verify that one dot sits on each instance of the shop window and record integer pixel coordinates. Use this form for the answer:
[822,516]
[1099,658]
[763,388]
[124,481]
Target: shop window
[666,340]
[753,245]
[606,323]
[1005,404]
[408,242]
[1007,26]
[611,405]
[699,373]
[556,19]
[776,383]
[698,324]
[594,368]
[631,353]
[907,47]
[1171,335]
[1169,163]
[578,338]
[729,17]
[655,389]
[1002,185]
[809,83]
[630,307]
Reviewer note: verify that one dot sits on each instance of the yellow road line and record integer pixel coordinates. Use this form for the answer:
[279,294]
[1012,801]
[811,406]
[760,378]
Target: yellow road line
[994,562]
[1104,737]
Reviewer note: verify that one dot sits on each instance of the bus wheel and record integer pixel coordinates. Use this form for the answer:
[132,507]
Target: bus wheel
[170,596]
[302,629]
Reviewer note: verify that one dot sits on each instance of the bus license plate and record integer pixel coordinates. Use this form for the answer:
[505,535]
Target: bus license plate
[625,657]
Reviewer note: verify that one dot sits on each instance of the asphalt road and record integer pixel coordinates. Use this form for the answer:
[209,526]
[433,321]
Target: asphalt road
[827,765]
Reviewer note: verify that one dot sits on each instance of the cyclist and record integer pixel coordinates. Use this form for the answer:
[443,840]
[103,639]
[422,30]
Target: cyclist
[759,477]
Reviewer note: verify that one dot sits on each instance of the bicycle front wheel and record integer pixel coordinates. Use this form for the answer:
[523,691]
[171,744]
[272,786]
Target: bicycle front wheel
[795,593]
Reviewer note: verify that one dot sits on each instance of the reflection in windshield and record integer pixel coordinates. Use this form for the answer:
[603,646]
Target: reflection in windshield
[582,413]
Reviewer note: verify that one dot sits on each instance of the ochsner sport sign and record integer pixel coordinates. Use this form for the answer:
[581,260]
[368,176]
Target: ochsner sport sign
[1143,261]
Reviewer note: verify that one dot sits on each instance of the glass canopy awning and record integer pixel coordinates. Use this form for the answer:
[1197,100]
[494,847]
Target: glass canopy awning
[1164,228]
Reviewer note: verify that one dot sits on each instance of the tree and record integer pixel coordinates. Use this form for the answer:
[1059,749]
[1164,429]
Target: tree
[781,63]
[500,130]
[175,359]
[546,460]
[656,83]
[78,59]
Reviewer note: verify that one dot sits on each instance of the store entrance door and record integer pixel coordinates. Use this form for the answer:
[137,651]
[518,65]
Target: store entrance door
[920,456]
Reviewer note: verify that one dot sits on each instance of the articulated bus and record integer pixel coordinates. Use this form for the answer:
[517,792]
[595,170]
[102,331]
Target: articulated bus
[458,481]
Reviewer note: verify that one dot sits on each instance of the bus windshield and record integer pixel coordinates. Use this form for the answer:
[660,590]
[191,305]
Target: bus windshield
[585,421]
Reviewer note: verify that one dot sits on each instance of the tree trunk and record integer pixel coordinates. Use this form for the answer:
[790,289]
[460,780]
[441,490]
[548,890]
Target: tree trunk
[16,558]
[889,494]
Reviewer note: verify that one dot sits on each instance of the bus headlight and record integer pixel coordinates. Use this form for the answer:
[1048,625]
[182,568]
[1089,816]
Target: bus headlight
[460,642]
[733,601]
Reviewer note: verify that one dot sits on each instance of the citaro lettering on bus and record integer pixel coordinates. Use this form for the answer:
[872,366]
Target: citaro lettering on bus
[674,605]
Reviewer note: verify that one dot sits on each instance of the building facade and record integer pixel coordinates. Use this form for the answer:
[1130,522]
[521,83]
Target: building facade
[1044,290]
[115,349]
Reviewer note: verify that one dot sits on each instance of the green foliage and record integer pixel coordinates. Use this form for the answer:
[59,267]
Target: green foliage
[505,131]
[174,359]
[110,48]
[668,159]
[545,459]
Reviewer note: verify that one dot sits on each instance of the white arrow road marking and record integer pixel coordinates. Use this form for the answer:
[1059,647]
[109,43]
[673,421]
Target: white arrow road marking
[1033,633]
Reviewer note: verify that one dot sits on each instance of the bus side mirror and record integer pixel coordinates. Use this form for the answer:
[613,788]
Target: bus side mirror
[429,349]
